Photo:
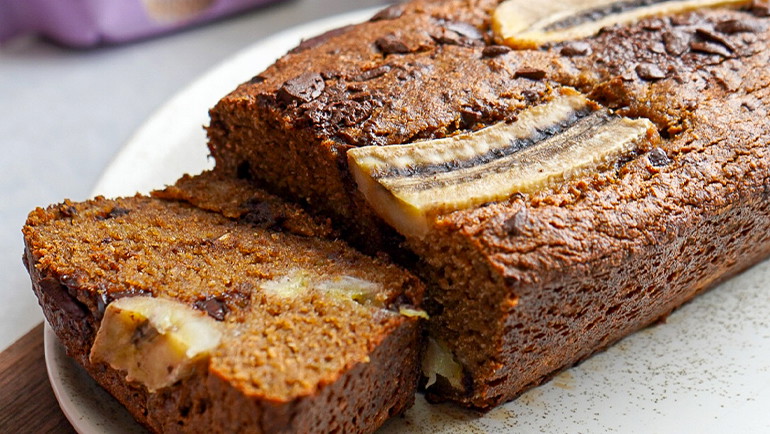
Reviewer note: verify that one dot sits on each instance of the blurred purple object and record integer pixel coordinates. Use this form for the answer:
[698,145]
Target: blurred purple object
[84,23]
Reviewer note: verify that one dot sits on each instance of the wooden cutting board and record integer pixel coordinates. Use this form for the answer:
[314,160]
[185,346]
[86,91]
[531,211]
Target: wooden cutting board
[27,402]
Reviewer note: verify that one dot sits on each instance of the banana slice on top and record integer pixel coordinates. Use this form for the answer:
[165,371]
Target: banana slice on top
[409,185]
[527,24]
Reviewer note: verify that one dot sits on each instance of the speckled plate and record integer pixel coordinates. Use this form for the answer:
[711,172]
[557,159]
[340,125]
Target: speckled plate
[706,370]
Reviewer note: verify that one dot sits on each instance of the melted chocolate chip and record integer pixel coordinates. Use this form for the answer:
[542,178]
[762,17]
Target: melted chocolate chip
[391,44]
[215,307]
[389,13]
[62,299]
[577,48]
[114,212]
[302,89]
[658,47]
[650,71]
[739,26]
[448,37]
[519,224]
[257,79]
[676,42]
[318,40]
[495,50]
[68,210]
[262,215]
[348,113]
[710,48]
[372,73]
[464,29]
[530,73]
[658,157]
[106,297]
[710,35]
[469,117]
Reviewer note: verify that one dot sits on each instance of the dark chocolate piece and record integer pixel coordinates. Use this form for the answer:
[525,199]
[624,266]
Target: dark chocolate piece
[391,44]
[301,89]
[495,50]
[577,48]
[650,71]
[530,73]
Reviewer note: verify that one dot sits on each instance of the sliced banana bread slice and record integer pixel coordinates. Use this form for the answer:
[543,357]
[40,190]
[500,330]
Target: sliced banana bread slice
[199,322]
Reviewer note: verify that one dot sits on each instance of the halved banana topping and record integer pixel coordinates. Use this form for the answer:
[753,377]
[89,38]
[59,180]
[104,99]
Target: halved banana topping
[156,341]
[528,24]
[409,185]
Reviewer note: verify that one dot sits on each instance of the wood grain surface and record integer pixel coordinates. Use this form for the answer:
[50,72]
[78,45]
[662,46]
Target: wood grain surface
[27,402]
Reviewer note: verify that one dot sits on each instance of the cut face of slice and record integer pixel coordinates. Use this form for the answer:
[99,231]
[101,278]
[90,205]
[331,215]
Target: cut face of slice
[527,24]
[409,185]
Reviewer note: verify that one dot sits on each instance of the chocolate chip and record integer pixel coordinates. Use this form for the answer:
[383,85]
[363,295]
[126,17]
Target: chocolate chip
[372,73]
[262,215]
[106,297]
[61,298]
[114,212]
[495,50]
[739,26]
[658,47]
[658,157]
[466,30]
[320,39]
[530,73]
[649,71]
[577,48]
[257,79]
[448,37]
[348,113]
[519,224]
[214,306]
[710,48]
[391,44]
[676,42]
[710,35]
[68,210]
[389,13]
[302,89]
[469,117]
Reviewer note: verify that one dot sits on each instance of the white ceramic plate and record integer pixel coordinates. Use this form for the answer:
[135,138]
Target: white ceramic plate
[706,370]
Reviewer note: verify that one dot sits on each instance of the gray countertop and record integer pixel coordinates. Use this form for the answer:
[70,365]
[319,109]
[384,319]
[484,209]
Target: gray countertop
[65,113]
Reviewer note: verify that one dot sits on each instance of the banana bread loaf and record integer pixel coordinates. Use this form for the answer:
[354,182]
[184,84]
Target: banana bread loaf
[240,319]
[563,182]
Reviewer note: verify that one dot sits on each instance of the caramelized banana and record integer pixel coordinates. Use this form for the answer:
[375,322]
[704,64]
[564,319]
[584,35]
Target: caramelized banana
[527,24]
[409,185]
[155,341]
